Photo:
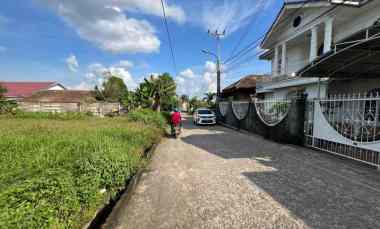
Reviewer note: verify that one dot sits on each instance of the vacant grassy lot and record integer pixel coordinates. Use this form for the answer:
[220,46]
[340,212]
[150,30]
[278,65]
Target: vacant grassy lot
[54,172]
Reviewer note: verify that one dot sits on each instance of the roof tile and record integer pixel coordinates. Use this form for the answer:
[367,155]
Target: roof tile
[24,89]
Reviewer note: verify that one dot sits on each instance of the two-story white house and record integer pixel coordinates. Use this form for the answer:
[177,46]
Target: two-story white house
[323,47]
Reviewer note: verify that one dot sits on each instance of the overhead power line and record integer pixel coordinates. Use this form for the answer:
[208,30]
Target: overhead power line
[237,63]
[243,52]
[244,35]
[244,61]
[169,38]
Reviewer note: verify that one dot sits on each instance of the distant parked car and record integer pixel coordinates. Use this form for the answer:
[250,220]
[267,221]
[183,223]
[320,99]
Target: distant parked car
[204,116]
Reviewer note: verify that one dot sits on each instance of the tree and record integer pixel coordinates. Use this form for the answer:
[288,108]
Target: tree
[194,103]
[144,94]
[168,104]
[158,91]
[5,105]
[131,101]
[185,98]
[3,90]
[209,98]
[113,90]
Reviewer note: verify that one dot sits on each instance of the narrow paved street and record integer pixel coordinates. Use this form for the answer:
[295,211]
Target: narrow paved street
[214,177]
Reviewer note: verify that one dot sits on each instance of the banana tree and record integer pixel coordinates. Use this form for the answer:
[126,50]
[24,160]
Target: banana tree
[157,90]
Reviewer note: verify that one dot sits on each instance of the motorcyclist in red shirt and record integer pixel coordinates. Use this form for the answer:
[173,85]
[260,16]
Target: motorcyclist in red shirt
[176,120]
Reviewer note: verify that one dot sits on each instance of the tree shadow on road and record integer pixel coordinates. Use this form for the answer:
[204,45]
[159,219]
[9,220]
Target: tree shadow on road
[322,190]
[321,199]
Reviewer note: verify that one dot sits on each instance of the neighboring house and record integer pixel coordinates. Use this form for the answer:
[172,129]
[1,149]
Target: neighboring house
[243,89]
[19,90]
[63,96]
[67,101]
[322,47]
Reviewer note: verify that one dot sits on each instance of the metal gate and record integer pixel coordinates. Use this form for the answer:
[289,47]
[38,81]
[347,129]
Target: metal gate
[347,125]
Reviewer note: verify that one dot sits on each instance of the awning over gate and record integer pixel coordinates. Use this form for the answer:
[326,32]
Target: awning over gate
[356,56]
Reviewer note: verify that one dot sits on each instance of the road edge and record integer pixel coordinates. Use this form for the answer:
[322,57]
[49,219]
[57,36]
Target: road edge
[111,221]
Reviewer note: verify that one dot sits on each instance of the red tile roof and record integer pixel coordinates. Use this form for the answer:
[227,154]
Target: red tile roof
[24,89]
[248,82]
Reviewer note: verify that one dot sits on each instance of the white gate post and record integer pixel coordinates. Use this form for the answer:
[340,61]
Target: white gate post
[316,103]
[313,44]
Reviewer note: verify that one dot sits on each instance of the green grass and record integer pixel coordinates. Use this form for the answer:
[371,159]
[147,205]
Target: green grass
[52,171]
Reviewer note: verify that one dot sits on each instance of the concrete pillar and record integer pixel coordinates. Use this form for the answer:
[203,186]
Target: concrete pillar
[328,35]
[284,62]
[275,61]
[313,43]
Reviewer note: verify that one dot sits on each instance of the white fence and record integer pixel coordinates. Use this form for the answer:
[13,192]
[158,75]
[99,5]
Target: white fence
[347,125]
[240,109]
[272,111]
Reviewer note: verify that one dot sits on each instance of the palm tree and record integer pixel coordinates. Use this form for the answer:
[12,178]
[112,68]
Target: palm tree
[209,98]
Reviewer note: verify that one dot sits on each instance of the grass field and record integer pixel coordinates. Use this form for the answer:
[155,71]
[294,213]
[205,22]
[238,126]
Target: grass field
[52,171]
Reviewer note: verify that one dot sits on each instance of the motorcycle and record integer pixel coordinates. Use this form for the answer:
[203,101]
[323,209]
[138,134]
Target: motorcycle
[176,131]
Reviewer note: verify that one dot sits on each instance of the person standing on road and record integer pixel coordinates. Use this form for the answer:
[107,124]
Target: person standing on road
[175,119]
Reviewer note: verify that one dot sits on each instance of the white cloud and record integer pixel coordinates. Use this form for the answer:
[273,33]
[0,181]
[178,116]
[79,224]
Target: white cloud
[105,24]
[83,86]
[125,64]
[153,7]
[155,75]
[188,73]
[236,14]
[193,84]
[125,76]
[188,85]
[210,76]
[97,73]
[72,63]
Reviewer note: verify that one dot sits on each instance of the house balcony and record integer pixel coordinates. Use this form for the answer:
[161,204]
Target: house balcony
[293,54]
[355,56]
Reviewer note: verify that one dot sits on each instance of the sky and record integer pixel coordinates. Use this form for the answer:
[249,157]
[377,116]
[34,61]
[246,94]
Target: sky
[74,42]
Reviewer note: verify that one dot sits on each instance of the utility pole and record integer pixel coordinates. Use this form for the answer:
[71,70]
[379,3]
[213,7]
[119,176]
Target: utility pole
[218,35]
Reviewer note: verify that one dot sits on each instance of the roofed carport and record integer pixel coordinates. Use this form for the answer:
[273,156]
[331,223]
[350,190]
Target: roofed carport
[358,55]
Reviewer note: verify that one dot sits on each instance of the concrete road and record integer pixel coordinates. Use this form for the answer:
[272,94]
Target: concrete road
[214,177]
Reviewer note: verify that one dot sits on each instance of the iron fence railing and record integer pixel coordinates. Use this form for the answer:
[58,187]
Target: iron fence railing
[354,116]
[346,125]
[272,111]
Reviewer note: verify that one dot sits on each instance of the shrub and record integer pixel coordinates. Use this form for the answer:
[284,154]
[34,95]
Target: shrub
[46,200]
[52,171]
[50,115]
[149,117]
[7,106]
[167,116]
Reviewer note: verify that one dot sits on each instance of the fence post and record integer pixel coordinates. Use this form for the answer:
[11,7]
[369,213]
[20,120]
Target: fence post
[296,120]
